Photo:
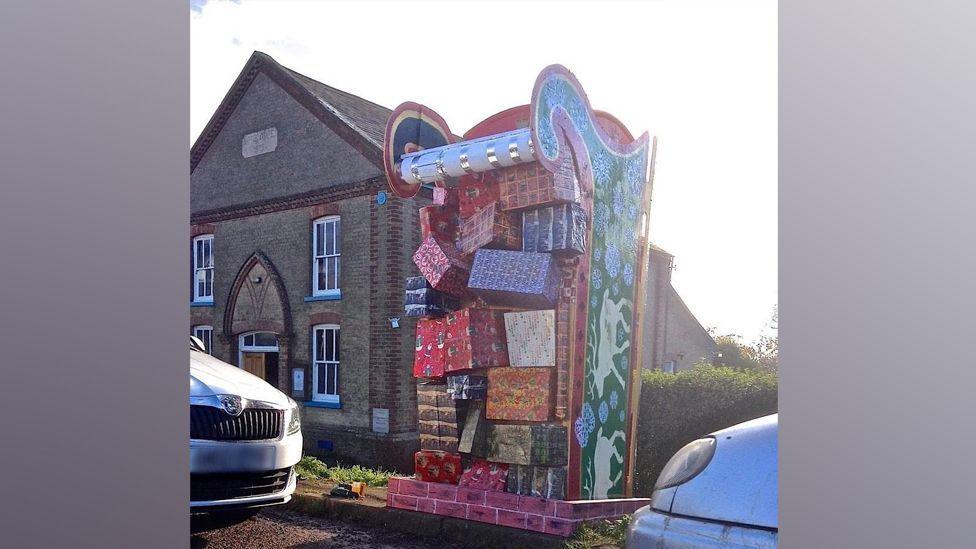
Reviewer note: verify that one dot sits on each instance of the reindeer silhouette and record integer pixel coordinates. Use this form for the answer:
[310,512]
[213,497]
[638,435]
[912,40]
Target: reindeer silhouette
[606,346]
[605,450]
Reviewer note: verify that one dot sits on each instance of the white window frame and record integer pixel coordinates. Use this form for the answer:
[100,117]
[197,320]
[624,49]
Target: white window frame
[207,240]
[336,254]
[319,360]
[244,348]
[669,366]
[207,339]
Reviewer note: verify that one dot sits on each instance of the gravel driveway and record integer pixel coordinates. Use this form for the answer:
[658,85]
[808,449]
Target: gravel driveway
[277,528]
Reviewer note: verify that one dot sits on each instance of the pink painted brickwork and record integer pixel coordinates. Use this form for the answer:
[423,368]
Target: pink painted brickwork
[560,518]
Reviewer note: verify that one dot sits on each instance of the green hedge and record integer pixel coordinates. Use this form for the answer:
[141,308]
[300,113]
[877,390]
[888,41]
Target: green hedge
[678,408]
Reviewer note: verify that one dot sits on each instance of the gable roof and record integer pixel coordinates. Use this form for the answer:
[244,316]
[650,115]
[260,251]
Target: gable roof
[359,122]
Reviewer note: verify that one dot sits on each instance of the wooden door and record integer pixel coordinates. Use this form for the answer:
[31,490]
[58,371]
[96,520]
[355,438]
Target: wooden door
[254,363]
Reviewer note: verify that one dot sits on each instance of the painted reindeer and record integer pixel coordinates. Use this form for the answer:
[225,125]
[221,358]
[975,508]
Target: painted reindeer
[607,347]
[605,450]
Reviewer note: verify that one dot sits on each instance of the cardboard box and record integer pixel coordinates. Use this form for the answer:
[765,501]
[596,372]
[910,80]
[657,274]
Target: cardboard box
[443,266]
[531,185]
[437,466]
[559,229]
[467,387]
[531,338]
[520,394]
[525,280]
[475,338]
[474,439]
[476,192]
[430,351]
[491,228]
[536,444]
[531,480]
[421,300]
[440,418]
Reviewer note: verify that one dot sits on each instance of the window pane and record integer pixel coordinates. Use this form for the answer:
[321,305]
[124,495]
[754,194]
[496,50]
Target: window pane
[332,381]
[265,339]
[249,340]
[329,238]
[207,255]
[320,378]
[329,345]
[336,356]
[319,239]
[335,273]
[322,275]
[319,344]
[337,242]
[198,254]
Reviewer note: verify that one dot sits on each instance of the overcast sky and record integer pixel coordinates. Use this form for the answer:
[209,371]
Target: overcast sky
[700,76]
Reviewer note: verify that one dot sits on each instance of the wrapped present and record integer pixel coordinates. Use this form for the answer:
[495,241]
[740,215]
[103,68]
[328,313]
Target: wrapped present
[440,418]
[437,466]
[540,482]
[421,300]
[536,444]
[443,266]
[491,228]
[531,338]
[475,338]
[474,438]
[520,394]
[556,229]
[430,351]
[467,387]
[485,475]
[476,192]
[439,221]
[526,280]
[531,185]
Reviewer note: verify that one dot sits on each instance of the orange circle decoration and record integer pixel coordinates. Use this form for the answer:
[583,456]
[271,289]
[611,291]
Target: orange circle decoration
[411,127]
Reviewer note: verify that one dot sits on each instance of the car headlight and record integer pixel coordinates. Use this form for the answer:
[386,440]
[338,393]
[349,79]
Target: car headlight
[686,463]
[294,418]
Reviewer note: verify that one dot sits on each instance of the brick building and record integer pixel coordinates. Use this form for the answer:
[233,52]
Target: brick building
[291,247]
[673,338]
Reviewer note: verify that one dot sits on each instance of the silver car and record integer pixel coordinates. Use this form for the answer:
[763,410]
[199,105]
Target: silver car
[717,491]
[245,438]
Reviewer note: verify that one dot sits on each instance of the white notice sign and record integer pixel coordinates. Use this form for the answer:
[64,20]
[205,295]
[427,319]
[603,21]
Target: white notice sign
[260,142]
[381,420]
[297,380]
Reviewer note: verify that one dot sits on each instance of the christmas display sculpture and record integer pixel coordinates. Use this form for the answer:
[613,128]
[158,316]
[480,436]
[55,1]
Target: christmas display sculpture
[552,201]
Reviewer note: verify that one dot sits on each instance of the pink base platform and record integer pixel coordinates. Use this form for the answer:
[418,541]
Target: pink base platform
[557,517]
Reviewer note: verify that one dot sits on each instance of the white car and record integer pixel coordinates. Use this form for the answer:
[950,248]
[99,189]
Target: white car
[245,438]
[718,491]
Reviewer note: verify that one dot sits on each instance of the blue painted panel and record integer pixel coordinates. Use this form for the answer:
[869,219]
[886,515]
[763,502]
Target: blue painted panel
[325,445]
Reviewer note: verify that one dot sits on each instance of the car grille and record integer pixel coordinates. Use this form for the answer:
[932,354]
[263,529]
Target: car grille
[220,486]
[209,423]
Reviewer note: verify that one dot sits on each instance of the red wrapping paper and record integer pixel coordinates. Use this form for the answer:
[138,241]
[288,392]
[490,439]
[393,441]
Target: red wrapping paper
[437,466]
[485,475]
[475,338]
[430,351]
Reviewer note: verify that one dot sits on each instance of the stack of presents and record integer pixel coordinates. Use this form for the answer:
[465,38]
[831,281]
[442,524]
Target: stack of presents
[486,350]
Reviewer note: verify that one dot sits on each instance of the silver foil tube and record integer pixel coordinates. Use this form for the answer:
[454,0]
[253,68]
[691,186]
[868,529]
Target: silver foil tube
[466,157]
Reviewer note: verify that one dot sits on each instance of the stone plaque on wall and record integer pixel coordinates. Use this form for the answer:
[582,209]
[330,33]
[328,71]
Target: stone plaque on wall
[261,142]
[381,420]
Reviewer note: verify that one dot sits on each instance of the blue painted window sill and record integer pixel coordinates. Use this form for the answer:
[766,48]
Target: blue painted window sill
[201,304]
[327,297]
[316,404]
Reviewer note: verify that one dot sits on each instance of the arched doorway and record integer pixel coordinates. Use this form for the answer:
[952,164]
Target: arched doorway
[257,321]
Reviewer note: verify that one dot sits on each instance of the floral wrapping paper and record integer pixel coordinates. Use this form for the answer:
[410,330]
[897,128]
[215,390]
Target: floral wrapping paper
[467,387]
[485,475]
[476,192]
[437,466]
[524,280]
[520,394]
[420,300]
[443,266]
[531,338]
[540,482]
[491,228]
[430,352]
[558,229]
[531,185]
[474,434]
[475,338]
[536,444]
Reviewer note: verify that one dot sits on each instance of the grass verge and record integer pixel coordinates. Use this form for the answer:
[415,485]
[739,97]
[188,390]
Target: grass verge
[314,468]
